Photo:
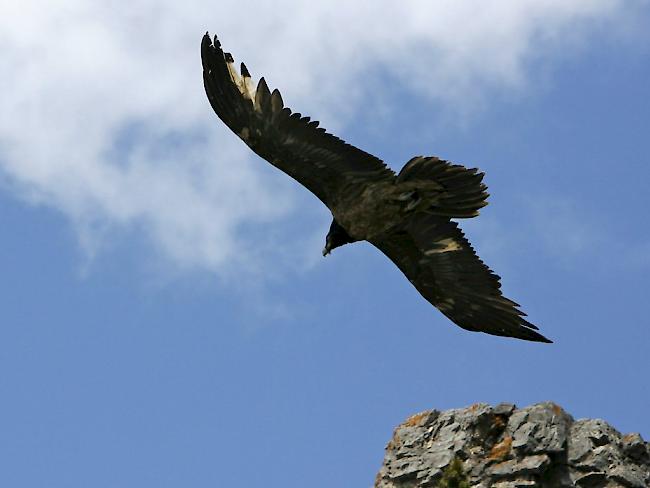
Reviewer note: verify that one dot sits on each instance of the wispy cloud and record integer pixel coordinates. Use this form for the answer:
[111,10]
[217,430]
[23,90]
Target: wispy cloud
[104,116]
[561,227]
[561,231]
[564,229]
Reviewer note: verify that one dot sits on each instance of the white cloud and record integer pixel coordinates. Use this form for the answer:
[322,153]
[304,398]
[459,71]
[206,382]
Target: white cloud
[104,116]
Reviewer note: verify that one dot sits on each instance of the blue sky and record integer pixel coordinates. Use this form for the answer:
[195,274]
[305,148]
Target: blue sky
[167,318]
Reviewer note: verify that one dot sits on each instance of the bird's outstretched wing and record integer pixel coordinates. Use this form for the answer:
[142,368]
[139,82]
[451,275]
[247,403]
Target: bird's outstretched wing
[323,163]
[440,262]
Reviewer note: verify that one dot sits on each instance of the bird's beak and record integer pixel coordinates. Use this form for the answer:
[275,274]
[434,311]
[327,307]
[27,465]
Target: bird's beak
[326,251]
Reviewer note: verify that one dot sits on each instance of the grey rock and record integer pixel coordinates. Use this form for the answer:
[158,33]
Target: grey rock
[504,409]
[591,479]
[513,484]
[528,465]
[635,448]
[539,428]
[505,447]
[629,476]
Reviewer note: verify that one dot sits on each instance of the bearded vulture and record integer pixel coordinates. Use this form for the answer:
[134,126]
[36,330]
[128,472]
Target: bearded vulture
[407,216]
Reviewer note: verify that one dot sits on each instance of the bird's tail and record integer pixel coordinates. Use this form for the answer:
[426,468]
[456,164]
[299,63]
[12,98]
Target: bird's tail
[442,188]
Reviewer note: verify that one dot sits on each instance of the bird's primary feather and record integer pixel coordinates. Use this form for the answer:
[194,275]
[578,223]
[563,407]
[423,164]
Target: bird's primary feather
[407,216]
[323,163]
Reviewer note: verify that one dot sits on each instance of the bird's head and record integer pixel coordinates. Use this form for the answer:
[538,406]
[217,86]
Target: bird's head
[336,237]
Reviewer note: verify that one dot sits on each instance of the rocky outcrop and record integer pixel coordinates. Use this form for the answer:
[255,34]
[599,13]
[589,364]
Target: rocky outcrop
[505,447]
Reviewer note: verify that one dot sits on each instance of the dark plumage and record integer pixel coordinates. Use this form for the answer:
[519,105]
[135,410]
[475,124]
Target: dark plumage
[407,216]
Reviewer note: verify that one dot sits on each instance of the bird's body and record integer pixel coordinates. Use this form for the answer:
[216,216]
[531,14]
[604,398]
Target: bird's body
[369,213]
[407,215]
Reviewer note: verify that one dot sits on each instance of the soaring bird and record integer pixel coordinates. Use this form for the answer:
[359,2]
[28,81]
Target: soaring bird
[407,215]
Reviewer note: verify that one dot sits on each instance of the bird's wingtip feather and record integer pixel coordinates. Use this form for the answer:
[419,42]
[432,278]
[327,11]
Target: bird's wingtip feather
[537,337]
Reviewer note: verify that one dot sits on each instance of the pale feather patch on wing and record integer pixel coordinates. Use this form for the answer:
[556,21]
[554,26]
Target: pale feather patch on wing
[242,81]
[248,89]
[446,304]
[445,245]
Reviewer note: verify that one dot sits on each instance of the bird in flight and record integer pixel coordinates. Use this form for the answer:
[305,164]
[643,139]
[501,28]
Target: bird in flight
[407,215]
